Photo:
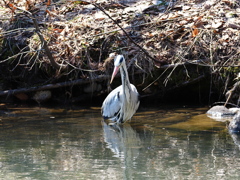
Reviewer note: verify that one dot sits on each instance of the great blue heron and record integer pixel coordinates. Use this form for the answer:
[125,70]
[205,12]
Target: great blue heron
[122,103]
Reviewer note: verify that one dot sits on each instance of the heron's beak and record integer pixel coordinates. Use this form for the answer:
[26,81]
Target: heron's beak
[115,71]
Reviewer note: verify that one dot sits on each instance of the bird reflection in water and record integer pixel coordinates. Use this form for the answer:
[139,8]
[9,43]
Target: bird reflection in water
[122,139]
[125,144]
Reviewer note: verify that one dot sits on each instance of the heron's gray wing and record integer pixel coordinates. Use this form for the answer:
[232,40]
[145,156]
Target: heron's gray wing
[112,104]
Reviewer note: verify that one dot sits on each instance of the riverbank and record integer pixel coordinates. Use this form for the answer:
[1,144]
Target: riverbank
[177,51]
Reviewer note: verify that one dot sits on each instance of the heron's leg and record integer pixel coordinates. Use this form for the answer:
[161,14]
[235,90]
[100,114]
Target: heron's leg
[112,123]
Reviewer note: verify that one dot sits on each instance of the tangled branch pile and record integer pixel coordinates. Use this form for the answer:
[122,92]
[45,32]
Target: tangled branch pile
[80,35]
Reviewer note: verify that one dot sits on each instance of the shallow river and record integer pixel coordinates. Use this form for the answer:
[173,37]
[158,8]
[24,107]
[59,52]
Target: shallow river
[159,143]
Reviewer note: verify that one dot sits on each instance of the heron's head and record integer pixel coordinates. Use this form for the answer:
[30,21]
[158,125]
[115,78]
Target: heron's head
[118,62]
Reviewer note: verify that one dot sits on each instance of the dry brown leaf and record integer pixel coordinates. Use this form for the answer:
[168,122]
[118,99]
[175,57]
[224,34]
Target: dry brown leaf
[195,31]
[215,31]
[27,5]
[229,2]
[161,35]
[149,43]
[12,7]
[47,11]
[48,3]
[114,5]
[81,2]
[58,30]
[198,23]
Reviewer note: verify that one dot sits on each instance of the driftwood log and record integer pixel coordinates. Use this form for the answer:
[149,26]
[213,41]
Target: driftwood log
[53,86]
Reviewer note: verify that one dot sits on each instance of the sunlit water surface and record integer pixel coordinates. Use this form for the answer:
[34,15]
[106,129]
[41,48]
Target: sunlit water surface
[159,143]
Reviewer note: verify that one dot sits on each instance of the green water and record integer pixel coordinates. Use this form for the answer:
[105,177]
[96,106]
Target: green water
[159,143]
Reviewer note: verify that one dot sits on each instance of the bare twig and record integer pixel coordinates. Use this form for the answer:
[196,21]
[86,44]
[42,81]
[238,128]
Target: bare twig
[43,41]
[129,37]
[187,82]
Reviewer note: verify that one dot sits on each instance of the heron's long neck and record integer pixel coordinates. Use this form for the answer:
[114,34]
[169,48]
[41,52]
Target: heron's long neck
[125,81]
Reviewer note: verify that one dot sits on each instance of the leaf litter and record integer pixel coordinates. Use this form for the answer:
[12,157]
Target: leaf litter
[81,36]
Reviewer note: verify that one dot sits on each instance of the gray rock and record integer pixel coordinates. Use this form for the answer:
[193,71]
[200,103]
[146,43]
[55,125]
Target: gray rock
[220,111]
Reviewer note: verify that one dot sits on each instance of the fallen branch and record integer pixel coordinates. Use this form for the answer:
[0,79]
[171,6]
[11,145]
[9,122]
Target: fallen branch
[53,86]
[59,85]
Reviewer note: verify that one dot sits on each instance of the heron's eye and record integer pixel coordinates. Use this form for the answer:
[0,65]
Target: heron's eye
[118,60]
[121,60]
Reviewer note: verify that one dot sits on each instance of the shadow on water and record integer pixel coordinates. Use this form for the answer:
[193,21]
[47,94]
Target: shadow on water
[170,143]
